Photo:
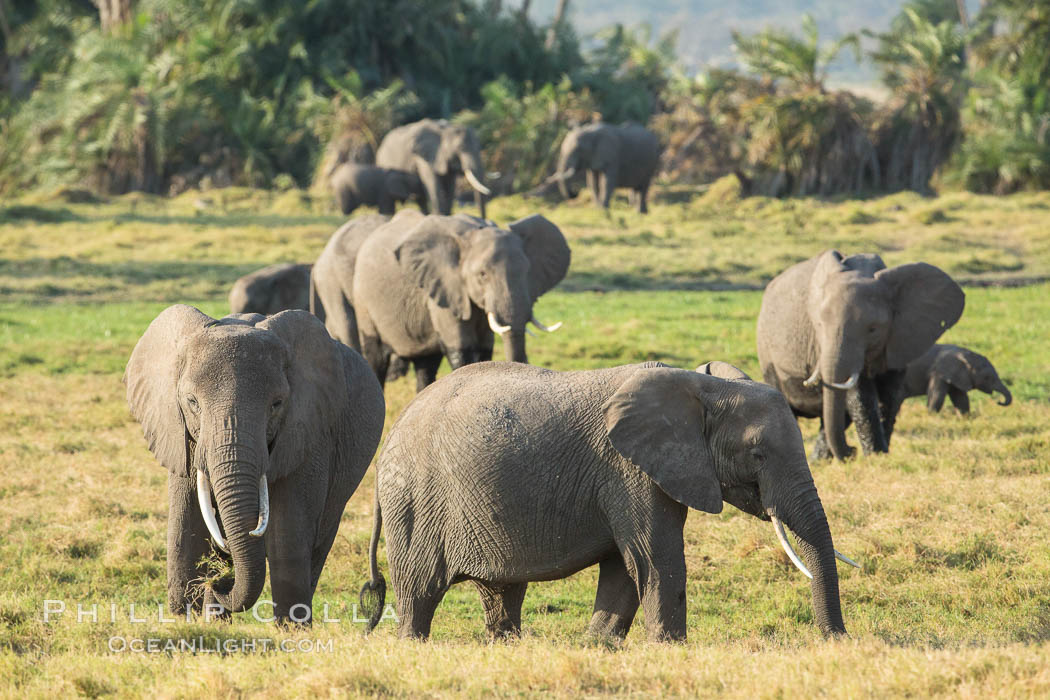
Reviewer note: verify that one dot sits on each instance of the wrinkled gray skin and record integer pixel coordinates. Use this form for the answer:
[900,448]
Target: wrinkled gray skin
[503,474]
[843,316]
[438,152]
[423,286]
[272,289]
[354,184]
[240,398]
[612,156]
[949,371]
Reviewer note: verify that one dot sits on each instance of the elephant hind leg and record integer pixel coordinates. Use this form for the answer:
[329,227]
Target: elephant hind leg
[502,605]
[643,199]
[959,399]
[426,370]
[416,609]
[616,603]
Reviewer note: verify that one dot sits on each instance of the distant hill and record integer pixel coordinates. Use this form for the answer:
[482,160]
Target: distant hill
[704,25]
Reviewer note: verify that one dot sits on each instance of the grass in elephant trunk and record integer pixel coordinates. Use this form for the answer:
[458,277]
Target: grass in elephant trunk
[949,526]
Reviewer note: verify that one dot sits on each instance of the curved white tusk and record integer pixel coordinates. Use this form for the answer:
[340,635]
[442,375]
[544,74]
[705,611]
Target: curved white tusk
[542,327]
[476,183]
[814,379]
[850,383]
[204,499]
[842,557]
[264,508]
[568,174]
[494,325]
[782,536]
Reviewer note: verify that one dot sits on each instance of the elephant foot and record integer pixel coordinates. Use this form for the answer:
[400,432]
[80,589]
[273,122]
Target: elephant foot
[213,610]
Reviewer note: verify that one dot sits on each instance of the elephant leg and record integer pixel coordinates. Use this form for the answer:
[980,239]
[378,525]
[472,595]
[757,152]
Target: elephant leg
[432,186]
[656,563]
[291,541]
[341,322]
[593,186]
[377,354]
[616,602]
[862,405]
[821,449]
[502,605]
[426,370]
[936,393]
[960,399]
[608,186]
[643,199]
[446,194]
[416,608]
[386,205]
[890,388]
[187,545]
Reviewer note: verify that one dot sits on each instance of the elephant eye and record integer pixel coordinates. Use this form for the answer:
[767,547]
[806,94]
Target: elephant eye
[276,405]
[192,403]
[756,454]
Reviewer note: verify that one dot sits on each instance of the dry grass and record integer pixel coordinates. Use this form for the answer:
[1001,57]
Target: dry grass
[953,598]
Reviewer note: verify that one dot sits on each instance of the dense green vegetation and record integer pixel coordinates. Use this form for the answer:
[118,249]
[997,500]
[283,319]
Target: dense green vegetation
[179,94]
[949,527]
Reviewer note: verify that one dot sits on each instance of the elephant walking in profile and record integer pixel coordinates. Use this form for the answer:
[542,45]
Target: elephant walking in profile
[354,184]
[502,474]
[272,289]
[266,426]
[949,371]
[437,152]
[612,156]
[427,287]
[835,335]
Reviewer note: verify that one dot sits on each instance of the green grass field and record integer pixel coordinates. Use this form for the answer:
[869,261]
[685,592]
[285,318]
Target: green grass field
[951,527]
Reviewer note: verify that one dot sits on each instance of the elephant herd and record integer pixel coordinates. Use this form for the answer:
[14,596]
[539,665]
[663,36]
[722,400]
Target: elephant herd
[504,473]
[420,162]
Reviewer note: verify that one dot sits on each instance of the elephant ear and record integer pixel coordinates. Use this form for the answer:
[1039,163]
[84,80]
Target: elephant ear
[722,370]
[953,368]
[547,251]
[926,302]
[430,257]
[656,421]
[317,391]
[152,377]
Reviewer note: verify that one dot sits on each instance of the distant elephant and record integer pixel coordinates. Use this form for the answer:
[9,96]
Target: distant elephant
[431,286]
[354,184]
[272,289]
[274,418]
[437,152]
[612,156]
[951,371]
[502,474]
[835,334]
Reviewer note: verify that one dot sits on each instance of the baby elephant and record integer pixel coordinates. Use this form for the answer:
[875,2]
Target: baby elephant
[272,289]
[950,370]
[504,473]
[266,426]
[354,184]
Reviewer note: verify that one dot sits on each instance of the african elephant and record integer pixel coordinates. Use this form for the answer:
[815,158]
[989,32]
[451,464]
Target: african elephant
[502,474]
[951,371]
[274,418]
[437,152]
[613,156]
[431,286]
[835,335]
[354,184]
[272,289]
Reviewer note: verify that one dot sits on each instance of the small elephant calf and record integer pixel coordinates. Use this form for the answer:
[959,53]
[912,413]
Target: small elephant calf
[951,371]
[354,184]
[272,289]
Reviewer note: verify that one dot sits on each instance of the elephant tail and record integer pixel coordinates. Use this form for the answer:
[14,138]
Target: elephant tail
[373,593]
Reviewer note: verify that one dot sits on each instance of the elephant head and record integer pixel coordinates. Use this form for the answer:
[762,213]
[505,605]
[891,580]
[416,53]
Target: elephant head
[966,370]
[459,151]
[868,319]
[704,439]
[592,147]
[238,404]
[463,263]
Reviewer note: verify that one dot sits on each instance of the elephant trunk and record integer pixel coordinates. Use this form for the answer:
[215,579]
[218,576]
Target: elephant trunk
[805,516]
[838,376]
[1008,398]
[566,169]
[473,171]
[235,479]
[514,346]
[835,421]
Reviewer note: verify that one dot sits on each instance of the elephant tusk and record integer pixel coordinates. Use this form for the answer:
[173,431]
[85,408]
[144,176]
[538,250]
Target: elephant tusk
[567,174]
[814,379]
[850,383]
[544,328]
[204,499]
[842,557]
[264,508]
[476,183]
[778,527]
[494,325]
[529,331]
